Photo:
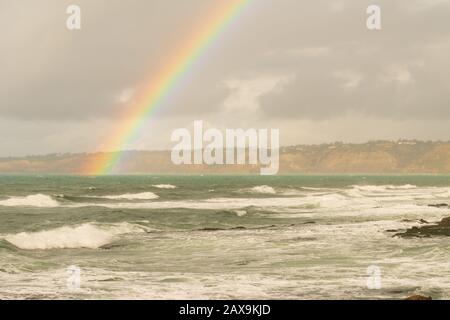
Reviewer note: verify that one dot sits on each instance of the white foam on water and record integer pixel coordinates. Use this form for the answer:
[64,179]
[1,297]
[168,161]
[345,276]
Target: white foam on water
[164,186]
[132,196]
[332,200]
[87,235]
[317,189]
[240,213]
[443,194]
[322,201]
[36,200]
[314,261]
[401,193]
[263,189]
[402,187]
[383,188]
[346,200]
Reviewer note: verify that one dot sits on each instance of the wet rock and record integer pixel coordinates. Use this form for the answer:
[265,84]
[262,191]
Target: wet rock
[110,246]
[418,297]
[439,205]
[392,230]
[440,229]
[445,222]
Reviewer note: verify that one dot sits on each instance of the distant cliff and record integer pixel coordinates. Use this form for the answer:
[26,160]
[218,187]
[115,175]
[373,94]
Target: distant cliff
[403,156]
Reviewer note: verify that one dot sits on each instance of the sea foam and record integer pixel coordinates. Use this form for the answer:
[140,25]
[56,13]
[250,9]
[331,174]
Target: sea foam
[82,236]
[36,200]
[164,186]
[132,196]
[263,189]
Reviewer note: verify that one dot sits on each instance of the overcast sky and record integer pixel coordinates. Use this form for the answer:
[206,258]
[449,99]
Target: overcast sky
[310,68]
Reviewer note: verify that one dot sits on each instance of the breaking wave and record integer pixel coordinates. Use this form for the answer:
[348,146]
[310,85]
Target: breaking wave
[164,186]
[325,201]
[263,189]
[82,236]
[36,200]
[383,188]
[240,213]
[132,196]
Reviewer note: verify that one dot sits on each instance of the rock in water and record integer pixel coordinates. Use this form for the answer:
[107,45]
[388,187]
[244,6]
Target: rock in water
[440,229]
[445,222]
[439,205]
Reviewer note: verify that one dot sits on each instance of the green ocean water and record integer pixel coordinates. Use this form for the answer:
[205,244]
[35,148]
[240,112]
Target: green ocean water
[202,237]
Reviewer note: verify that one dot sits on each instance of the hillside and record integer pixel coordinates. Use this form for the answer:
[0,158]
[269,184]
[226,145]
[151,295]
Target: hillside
[372,157]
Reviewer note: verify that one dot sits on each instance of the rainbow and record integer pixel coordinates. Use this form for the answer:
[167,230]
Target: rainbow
[162,85]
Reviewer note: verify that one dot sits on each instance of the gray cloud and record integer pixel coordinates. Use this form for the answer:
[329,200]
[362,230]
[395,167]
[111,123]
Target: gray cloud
[281,61]
[400,71]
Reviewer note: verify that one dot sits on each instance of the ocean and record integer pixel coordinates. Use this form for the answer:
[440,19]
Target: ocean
[221,237]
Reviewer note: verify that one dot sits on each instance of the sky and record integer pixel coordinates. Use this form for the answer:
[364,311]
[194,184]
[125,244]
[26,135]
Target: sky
[311,69]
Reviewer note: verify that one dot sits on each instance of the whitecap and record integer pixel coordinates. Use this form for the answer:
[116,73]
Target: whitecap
[383,188]
[82,236]
[132,196]
[240,213]
[263,189]
[36,200]
[326,201]
[164,186]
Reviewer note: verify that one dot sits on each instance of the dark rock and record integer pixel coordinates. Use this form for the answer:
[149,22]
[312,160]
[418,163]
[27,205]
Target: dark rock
[110,246]
[439,205]
[445,222]
[418,297]
[440,229]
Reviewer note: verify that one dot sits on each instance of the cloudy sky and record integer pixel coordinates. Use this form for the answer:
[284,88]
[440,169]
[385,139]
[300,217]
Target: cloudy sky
[310,68]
